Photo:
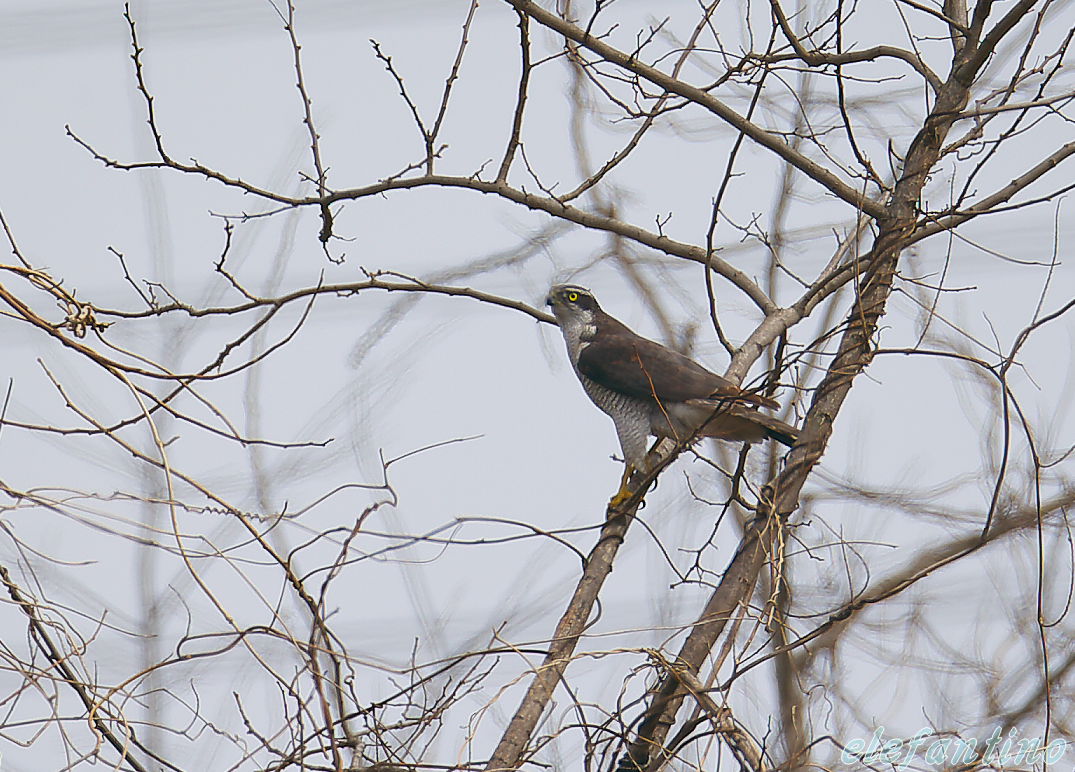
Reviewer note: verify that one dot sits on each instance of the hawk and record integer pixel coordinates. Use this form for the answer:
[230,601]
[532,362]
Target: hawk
[649,389]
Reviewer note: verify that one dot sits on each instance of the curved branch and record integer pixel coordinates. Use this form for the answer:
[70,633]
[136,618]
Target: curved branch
[817,58]
[766,139]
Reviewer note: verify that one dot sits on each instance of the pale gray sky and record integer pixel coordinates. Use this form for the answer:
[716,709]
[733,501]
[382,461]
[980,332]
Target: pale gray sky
[221,73]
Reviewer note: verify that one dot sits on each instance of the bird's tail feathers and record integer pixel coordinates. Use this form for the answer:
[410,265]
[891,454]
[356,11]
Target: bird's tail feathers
[738,422]
[776,429]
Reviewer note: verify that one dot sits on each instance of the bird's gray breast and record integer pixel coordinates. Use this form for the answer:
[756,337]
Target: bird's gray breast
[612,402]
[632,417]
[630,414]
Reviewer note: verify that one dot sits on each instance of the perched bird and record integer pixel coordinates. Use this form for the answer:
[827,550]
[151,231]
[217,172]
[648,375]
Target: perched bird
[649,389]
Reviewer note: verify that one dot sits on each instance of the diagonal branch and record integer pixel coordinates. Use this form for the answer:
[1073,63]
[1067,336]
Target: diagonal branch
[39,630]
[509,753]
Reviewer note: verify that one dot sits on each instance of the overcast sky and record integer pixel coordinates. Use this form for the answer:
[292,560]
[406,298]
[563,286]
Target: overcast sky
[537,452]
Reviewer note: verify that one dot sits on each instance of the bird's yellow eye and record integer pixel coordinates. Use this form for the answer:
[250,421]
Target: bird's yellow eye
[572,296]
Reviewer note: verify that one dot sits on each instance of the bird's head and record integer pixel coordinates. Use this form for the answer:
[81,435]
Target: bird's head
[572,305]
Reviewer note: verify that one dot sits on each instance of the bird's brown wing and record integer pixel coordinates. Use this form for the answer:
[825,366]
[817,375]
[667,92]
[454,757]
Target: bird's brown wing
[627,363]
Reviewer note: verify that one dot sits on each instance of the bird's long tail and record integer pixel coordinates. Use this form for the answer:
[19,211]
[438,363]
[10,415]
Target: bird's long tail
[778,430]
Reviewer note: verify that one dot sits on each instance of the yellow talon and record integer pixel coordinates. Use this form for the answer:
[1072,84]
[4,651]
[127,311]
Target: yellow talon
[625,492]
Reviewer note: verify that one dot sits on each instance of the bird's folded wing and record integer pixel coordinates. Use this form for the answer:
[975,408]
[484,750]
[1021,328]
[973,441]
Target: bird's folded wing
[632,365]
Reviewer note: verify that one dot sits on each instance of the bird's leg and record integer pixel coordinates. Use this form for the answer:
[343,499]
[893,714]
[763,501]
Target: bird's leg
[625,492]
